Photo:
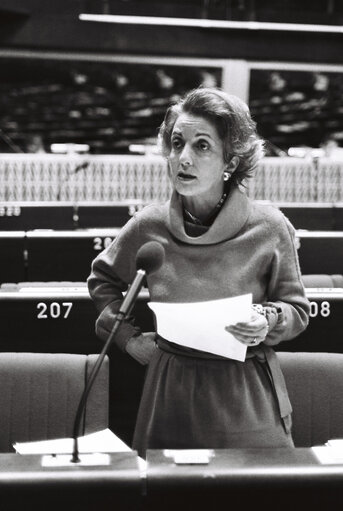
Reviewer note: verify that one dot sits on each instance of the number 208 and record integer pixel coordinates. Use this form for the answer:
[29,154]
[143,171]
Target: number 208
[320,309]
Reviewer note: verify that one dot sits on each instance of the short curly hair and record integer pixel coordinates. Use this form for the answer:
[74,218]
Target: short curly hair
[232,119]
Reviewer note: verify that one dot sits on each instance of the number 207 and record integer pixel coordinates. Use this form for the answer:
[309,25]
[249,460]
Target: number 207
[53,310]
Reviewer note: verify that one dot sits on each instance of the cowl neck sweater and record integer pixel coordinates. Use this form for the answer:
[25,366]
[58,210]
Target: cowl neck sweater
[229,221]
[249,248]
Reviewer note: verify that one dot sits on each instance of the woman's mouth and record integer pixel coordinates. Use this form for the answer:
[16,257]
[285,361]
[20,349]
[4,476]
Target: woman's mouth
[185,177]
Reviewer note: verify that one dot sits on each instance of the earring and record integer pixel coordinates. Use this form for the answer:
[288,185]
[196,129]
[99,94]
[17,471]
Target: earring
[226,175]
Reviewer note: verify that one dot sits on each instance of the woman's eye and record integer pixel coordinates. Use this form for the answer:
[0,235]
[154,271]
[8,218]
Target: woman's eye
[176,143]
[203,146]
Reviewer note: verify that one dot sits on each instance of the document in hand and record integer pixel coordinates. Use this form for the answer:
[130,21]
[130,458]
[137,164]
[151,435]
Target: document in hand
[201,325]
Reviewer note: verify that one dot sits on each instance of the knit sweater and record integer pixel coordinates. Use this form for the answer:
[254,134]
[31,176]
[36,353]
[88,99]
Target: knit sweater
[248,249]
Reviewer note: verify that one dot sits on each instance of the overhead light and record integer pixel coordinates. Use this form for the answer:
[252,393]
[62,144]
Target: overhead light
[207,23]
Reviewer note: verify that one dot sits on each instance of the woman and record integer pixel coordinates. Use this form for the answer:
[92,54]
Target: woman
[218,244]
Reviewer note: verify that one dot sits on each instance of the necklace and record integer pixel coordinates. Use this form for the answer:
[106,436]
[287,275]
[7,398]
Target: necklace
[210,218]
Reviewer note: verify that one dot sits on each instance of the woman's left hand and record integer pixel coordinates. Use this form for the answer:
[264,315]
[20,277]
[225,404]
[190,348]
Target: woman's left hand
[252,332]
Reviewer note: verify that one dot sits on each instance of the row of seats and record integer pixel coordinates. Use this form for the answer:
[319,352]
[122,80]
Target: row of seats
[54,319]
[53,255]
[25,216]
[41,392]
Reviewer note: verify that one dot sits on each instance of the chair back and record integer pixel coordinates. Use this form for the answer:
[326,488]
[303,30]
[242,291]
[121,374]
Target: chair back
[322,280]
[40,393]
[315,386]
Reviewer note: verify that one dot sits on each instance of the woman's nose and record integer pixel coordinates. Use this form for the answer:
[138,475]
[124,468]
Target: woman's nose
[185,157]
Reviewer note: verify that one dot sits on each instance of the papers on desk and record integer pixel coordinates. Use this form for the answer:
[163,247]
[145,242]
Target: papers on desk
[331,453]
[201,325]
[101,441]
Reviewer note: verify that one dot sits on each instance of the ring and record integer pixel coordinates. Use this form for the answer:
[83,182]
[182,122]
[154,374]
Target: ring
[254,342]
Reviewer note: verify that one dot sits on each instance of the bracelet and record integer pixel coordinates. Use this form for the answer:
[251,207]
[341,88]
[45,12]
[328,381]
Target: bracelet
[260,309]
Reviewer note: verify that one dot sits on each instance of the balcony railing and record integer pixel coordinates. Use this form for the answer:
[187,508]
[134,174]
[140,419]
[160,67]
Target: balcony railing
[46,177]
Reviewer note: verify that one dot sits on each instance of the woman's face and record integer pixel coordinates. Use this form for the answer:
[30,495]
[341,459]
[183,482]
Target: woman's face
[196,159]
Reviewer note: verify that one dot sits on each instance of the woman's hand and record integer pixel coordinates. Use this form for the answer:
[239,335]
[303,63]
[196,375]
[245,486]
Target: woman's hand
[252,332]
[142,347]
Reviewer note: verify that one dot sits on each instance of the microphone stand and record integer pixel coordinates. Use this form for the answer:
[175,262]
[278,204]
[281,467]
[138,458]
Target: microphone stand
[124,310]
[75,456]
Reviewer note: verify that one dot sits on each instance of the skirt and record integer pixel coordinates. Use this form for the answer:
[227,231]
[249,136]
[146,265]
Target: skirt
[193,400]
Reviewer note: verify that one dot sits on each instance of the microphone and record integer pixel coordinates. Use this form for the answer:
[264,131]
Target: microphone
[149,259]
[81,166]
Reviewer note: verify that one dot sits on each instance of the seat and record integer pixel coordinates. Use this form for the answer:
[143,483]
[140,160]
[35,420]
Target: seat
[315,386]
[322,280]
[40,393]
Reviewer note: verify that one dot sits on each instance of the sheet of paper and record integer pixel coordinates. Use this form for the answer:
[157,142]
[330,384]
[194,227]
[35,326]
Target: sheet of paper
[327,455]
[201,325]
[101,441]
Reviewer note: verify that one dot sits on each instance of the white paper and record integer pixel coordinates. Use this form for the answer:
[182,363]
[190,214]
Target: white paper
[190,456]
[201,325]
[101,441]
[327,455]
[337,443]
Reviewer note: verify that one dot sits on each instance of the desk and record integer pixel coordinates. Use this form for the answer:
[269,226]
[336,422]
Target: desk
[242,479]
[324,332]
[106,214]
[64,215]
[320,251]
[16,216]
[64,255]
[12,256]
[262,479]
[24,484]
[316,216]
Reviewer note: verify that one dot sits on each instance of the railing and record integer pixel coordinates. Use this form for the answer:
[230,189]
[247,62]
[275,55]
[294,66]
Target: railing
[35,177]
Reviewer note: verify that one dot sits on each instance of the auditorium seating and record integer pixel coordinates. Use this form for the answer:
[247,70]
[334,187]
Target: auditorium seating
[62,319]
[40,393]
[315,386]
[58,255]
[63,215]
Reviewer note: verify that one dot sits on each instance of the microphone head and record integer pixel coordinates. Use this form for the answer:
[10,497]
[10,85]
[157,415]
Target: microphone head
[150,257]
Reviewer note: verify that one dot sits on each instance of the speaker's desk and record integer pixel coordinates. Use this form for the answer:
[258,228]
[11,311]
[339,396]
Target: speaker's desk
[25,484]
[242,479]
[262,479]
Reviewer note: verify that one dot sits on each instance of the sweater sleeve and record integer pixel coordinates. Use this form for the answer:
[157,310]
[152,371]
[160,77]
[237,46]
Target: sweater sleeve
[286,290]
[112,270]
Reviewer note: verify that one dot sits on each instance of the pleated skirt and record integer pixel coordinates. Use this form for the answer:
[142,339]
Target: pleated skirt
[192,402]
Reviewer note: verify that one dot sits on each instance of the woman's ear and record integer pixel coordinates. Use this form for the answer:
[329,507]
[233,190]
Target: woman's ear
[233,164]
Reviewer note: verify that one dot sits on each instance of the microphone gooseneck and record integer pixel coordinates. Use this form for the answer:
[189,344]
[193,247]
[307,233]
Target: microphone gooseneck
[148,260]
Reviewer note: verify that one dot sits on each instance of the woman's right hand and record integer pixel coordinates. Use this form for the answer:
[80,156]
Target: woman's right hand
[142,347]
